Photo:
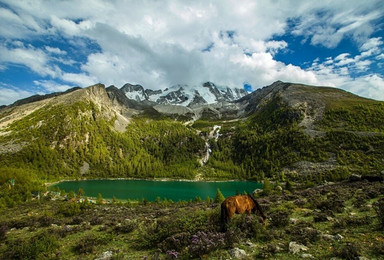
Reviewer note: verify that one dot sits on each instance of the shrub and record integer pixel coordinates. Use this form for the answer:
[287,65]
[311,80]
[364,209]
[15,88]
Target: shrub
[96,220]
[69,209]
[37,247]
[45,220]
[183,221]
[247,226]
[280,217]
[126,227]
[76,220]
[3,232]
[304,233]
[88,243]
[176,242]
[289,186]
[333,203]
[319,217]
[352,221]
[348,251]
[379,208]
[268,251]
[205,242]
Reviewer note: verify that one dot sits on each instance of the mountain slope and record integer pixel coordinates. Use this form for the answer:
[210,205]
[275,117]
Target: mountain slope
[282,131]
[85,134]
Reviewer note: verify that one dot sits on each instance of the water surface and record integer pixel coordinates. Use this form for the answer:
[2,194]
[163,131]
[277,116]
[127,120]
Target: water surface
[174,190]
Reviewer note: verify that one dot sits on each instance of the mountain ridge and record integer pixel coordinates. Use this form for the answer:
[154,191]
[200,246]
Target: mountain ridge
[277,130]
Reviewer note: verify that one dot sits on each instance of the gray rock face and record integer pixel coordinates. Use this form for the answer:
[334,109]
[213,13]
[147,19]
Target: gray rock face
[135,92]
[207,93]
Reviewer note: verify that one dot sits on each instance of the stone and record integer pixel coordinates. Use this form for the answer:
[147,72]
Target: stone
[296,248]
[237,253]
[293,220]
[355,177]
[250,244]
[306,256]
[338,237]
[107,255]
[327,237]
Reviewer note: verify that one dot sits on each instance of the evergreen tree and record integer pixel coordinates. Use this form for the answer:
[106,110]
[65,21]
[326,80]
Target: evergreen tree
[289,185]
[80,193]
[99,199]
[267,187]
[219,196]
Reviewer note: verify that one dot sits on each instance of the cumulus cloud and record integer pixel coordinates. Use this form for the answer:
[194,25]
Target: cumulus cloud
[9,94]
[33,58]
[161,43]
[51,86]
[55,50]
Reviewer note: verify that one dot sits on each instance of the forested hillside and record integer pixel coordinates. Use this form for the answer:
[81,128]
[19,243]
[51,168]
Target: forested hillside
[291,132]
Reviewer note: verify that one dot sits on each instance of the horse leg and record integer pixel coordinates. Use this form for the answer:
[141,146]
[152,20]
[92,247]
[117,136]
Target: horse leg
[224,217]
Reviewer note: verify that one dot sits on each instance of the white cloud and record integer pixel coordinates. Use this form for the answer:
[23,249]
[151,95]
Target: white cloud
[55,50]
[79,79]
[372,44]
[160,43]
[51,86]
[9,94]
[33,58]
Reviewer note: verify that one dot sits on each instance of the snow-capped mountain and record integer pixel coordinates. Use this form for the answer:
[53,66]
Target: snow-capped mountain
[184,95]
[135,92]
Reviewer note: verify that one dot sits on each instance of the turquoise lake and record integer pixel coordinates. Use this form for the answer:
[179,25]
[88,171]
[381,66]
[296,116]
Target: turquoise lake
[174,190]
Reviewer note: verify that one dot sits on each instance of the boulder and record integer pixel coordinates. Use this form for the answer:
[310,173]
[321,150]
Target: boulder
[295,248]
[107,255]
[328,237]
[237,253]
[307,256]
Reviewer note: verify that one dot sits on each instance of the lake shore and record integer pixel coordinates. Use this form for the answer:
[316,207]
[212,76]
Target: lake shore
[48,184]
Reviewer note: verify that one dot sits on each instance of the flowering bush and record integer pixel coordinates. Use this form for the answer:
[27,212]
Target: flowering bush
[176,242]
[205,242]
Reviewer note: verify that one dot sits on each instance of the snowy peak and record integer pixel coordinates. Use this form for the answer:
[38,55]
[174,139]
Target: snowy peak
[135,92]
[184,95]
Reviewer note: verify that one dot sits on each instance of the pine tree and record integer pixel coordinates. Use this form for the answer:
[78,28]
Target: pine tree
[289,186]
[267,187]
[99,199]
[219,196]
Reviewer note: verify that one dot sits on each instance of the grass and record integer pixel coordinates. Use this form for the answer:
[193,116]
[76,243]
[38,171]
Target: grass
[136,231]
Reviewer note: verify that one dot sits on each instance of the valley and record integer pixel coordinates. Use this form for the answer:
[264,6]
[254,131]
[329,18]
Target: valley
[306,144]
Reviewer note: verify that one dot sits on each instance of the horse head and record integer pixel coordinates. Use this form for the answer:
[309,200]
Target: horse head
[258,208]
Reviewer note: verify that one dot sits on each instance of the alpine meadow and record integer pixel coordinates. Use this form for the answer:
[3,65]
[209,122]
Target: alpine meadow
[249,129]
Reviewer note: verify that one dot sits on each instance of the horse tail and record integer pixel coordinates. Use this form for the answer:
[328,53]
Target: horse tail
[224,216]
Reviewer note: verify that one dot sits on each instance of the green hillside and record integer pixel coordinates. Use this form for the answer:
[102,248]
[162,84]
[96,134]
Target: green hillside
[78,139]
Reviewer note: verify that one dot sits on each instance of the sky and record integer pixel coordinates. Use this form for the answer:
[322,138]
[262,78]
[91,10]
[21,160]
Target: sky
[50,46]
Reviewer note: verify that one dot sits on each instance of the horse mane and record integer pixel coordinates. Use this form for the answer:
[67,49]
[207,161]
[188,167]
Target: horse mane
[258,207]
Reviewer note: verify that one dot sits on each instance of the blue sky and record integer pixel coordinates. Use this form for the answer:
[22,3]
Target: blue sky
[48,46]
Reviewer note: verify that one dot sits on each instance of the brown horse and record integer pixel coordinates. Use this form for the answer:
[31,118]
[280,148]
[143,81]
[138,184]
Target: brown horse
[239,204]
